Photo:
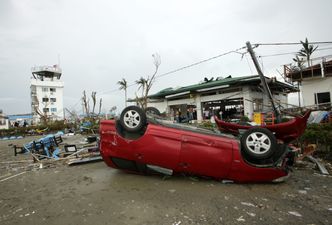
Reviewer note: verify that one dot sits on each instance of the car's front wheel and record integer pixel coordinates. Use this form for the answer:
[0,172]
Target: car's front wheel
[133,119]
[259,143]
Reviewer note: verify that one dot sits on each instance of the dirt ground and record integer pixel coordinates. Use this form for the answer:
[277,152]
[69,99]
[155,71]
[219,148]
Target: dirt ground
[96,194]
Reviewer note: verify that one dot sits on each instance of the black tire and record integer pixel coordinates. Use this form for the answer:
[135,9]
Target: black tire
[152,111]
[133,119]
[259,143]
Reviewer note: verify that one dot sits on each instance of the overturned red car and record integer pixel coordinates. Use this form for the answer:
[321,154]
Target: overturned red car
[141,144]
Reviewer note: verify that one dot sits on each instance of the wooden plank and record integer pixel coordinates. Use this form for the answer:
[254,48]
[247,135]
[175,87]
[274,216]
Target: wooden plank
[12,176]
[320,166]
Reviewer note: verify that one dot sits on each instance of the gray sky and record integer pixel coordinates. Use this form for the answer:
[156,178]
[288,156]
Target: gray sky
[101,41]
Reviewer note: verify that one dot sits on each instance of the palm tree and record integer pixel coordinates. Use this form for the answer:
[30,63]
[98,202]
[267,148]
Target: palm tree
[146,84]
[299,63]
[142,84]
[307,50]
[123,86]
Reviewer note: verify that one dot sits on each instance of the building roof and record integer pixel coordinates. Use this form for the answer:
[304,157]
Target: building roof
[46,71]
[315,71]
[223,83]
[20,116]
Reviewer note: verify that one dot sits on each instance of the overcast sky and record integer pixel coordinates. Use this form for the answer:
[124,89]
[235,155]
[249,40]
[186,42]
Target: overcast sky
[100,42]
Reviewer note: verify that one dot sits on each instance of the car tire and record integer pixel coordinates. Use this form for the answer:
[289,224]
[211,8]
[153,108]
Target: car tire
[259,143]
[152,111]
[133,119]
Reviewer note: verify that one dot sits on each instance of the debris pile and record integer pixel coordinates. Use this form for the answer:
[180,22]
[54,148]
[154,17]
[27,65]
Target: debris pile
[52,148]
[307,153]
[49,151]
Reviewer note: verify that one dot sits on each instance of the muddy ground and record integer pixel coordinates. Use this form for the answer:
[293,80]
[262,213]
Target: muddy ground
[96,194]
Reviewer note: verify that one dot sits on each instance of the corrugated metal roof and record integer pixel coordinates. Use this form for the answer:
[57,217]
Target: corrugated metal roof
[214,83]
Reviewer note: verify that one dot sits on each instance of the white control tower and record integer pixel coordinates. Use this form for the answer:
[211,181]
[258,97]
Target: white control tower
[46,93]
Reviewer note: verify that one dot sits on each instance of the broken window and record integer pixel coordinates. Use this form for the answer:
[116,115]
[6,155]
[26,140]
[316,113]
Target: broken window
[322,97]
[52,89]
[258,105]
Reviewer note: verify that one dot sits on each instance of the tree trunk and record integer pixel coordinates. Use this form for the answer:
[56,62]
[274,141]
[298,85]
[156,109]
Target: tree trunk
[125,97]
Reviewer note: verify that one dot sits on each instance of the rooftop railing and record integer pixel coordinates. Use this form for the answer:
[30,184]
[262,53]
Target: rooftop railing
[54,68]
[317,67]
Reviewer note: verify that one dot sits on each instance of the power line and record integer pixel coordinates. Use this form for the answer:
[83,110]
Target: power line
[200,62]
[186,67]
[223,54]
[117,89]
[291,53]
[294,43]
[248,63]
[177,70]
[74,106]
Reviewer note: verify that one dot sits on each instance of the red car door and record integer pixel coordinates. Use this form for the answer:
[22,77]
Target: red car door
[159,146]
[206,155]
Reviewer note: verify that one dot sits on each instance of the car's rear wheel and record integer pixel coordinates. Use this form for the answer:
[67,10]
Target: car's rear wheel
[133,119]
[259,143]
[152,111]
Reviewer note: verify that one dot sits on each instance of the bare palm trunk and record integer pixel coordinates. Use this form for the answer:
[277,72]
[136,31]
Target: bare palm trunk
[126,97]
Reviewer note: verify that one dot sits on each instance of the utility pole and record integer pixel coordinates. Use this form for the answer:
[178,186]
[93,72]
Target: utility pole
[265,86]
[299,94]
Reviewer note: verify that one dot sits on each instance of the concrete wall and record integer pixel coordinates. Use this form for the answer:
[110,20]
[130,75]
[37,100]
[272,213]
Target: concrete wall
[247,94]
[37,87]
[4,123]
[161,106]
[312,86]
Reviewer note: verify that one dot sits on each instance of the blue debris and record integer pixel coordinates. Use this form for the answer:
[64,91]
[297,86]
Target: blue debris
[11,138]
[46,146]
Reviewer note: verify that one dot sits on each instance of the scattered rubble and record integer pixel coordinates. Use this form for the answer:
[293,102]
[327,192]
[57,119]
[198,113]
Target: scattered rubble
[307,153]
[320,166]
[49,151]
[294,213]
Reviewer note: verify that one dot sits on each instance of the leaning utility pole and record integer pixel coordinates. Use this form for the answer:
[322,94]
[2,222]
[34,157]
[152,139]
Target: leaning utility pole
[265,86]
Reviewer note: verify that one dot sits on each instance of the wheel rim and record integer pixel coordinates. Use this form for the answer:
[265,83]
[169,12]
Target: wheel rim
[132,119]
[258,143]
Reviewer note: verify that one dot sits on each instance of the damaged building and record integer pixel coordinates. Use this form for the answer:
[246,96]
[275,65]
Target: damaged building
[230,97]
[315,81]
[46,93]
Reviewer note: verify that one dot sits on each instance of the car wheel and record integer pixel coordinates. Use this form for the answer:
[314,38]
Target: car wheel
[152,111]
[133,119]
[258,143]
